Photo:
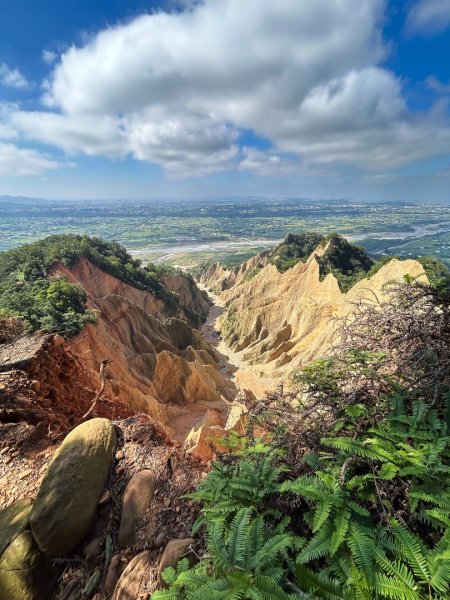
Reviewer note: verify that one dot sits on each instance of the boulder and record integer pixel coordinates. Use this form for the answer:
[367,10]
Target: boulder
[113,574]
[137,497]
[66,504]
[25,573]
[173,553]
[204,441]
[134,581]
[13,520]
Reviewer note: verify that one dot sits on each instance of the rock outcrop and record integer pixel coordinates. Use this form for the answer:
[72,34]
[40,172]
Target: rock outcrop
[276,322]
[67,500]
[158,363]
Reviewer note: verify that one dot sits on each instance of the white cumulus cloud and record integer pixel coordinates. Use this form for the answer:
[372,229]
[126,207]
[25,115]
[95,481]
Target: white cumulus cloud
[180,89]
[12,78]
[428,16]
[19,162]
[49,56]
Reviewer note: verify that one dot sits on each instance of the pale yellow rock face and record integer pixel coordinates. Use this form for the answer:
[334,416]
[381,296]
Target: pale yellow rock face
[277,322]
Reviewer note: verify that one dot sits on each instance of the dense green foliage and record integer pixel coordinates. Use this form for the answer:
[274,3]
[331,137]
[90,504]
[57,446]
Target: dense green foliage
[39,301]
[348,494]
[347,262]
[437,273]
[54,305]
[37,260]
[295,248]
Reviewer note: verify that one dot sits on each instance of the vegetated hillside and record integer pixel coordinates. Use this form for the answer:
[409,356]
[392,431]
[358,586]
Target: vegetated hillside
[347,262]
[113,310]
[36,300]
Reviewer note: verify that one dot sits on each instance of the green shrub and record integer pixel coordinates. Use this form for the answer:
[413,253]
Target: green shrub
[54,305]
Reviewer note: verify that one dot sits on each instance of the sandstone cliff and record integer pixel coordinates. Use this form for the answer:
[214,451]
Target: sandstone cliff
[158,363]
[277,322]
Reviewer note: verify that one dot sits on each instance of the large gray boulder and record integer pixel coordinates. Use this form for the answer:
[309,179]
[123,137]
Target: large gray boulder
[13,521]
[66,504]
[25,573]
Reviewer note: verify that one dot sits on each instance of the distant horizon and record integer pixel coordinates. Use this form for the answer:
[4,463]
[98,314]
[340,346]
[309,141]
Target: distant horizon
[218,197]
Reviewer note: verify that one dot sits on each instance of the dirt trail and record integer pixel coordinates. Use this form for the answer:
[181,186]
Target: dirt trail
[231,364]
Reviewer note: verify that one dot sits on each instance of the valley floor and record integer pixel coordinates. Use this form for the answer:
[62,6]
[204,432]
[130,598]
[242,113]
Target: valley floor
[231,364]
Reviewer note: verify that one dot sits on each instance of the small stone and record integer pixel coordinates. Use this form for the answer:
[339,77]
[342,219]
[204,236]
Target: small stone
[113,574]
[160,538]
[174,552]
[120,454]
[7,460]
[104,498]
[4,450]
[177,509]
[35,385]
[166,502]
[43,469]
[92,548]
[3,482]
[137,497]
[15,453]
[134,580]
[25,474]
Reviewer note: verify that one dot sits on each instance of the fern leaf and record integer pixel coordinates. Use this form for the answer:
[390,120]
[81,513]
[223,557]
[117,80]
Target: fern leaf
[341,524]
[391,587]
[239,531]
[319,585]
[397,570]
[322,513]
[409,547]
[275,546]
[362,549]
[216,543]
[319,546]
[440,579]
[269,589]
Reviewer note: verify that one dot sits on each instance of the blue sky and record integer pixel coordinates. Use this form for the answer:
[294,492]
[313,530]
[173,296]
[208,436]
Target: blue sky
[317,98]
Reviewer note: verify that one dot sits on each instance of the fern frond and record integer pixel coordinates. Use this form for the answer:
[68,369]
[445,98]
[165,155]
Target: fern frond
[239,531]
[320,585]
[319,546]
[341,524]
[362,549]
[274,547]
[391,587]
[410,548]
[322,512]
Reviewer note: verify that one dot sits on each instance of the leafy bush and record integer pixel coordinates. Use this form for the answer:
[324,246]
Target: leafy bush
[54,305]
[37,260]
[295,248]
